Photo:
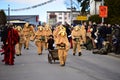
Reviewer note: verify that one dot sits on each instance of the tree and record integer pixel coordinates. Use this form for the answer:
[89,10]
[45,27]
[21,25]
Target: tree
[95,18]
[84,6]
[2,17]
[113,11]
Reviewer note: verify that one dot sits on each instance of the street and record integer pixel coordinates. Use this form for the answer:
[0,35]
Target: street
[31,66]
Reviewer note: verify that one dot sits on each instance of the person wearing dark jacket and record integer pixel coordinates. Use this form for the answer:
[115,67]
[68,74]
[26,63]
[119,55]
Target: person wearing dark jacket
[50,43]
[101,35]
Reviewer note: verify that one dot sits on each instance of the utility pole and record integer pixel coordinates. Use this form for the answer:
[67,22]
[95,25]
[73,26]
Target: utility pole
[71,14]
[8,14]
[102,5]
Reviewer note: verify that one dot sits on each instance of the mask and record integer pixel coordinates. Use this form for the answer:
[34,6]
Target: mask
[76,29]
[40,29]
[62,33]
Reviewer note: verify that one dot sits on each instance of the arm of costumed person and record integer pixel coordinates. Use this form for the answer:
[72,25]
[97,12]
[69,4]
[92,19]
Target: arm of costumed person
[16,37]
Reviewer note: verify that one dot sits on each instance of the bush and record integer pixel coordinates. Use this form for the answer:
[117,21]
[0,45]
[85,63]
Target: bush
[95,18]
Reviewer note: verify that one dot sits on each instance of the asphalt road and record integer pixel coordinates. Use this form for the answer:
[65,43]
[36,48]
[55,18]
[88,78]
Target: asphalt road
[31,66]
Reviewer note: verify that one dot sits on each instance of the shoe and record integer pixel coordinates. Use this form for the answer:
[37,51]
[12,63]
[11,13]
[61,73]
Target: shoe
[62,65]
[73,54]
[79,54]
[17,54]
[20,54]
[39,53]
[11,64]
[27,48]
[6,63]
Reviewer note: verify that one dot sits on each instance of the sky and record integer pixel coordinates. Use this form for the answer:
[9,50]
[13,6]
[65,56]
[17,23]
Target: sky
[57,5]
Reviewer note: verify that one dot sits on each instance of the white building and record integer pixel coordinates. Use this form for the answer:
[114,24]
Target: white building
[54,17]
[94,6]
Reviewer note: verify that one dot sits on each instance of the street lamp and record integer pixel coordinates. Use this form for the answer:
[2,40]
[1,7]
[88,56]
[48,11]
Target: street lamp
[71,13]
[8,14]
[102,5]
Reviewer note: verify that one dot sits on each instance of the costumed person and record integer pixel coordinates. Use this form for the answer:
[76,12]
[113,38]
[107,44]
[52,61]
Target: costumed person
[47,32]
[62,46]
[27,30]
[83,33]
[56,31]
[76,40]
[12,39]
[21,41]
[40,39]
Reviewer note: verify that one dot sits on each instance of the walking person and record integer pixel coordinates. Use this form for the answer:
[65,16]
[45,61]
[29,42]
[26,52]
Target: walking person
[12,38]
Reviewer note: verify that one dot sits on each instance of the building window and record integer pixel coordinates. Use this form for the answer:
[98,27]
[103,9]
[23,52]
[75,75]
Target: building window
[65,13]
[65,18]
[60,17]
[60,13]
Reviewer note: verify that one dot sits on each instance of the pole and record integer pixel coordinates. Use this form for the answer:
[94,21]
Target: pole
[71,13]
[8,14]
[102,5]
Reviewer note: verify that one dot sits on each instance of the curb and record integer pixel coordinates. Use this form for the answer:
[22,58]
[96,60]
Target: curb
[113,54]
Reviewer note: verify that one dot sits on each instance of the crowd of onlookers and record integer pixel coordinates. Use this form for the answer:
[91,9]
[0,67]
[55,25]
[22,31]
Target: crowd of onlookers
[103,37]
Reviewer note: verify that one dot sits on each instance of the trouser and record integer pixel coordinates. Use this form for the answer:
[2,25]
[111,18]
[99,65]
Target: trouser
[93,43]
[9,55]
[39,45]
[76,46]
[18,48]
[27,42]
[62,56]
[46,45]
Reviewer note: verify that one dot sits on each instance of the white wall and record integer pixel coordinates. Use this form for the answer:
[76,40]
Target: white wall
[94,9]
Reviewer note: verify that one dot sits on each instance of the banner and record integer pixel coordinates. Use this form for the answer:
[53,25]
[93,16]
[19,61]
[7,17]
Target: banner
[103,11]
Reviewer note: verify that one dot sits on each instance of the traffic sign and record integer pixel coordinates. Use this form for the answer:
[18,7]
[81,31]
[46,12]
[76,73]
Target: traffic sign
[82,18]
[103,12]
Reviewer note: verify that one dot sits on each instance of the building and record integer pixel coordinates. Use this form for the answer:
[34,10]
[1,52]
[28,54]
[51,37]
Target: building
[94,6]
[54,17]
[21,19]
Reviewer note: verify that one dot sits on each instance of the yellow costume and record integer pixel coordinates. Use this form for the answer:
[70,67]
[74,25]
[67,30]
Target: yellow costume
[76,39]
[21,41]
[27,30]
[39,39]
[83,33]
[63,46]
[47,32]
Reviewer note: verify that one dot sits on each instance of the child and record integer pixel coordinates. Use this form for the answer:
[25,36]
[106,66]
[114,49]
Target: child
[50,43]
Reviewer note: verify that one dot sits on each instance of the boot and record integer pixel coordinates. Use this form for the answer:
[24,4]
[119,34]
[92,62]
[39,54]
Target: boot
[73,54]
[79,54]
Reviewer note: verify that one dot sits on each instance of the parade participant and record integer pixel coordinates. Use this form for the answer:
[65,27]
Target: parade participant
[76,39]
[12,39]
[21,41]
[47,32]
[27,29]
[83,33]
[56,31]
[63,46]
[50,43]
[40,39]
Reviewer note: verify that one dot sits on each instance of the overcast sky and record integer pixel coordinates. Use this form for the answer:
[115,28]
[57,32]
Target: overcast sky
[57,5]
